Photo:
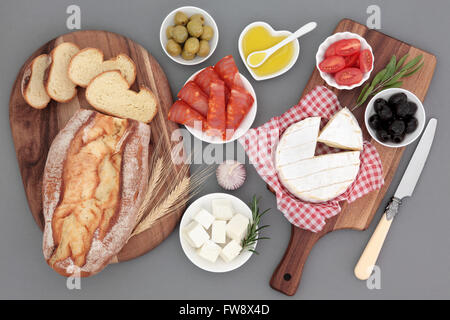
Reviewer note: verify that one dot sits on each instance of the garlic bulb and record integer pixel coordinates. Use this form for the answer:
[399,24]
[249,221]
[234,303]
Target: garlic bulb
[230,174]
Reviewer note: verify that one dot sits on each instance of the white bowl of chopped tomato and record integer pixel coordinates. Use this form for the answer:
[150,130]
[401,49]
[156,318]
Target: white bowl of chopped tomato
[345,60]
[217,104]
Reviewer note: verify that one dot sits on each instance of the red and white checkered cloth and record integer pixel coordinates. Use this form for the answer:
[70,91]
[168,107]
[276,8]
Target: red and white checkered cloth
[260,144]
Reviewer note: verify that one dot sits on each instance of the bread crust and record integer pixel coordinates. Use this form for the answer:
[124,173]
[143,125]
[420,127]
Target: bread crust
[26,79]
[141,88]
[103,60]
[133,184]
[47,78]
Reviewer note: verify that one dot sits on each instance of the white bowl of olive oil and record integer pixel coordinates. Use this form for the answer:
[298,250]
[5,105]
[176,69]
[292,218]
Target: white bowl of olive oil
[261,36]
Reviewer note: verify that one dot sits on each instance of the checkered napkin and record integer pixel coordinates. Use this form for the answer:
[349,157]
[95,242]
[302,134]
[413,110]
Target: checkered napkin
[260,145]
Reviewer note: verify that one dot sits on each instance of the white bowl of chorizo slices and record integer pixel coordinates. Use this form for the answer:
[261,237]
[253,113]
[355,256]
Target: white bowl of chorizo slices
[216,104]
[345,60]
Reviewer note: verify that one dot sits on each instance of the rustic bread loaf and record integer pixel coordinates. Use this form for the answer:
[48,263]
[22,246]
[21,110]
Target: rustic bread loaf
[33,90]
[88,63]
[58,86]
[95,178]
[109,92]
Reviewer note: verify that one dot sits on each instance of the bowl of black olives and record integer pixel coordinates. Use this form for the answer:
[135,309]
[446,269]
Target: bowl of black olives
[395,117]
[189,35]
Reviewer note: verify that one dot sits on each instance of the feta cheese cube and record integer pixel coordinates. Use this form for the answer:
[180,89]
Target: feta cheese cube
[209,251]
[218,233]
[231,251]
[204,218]
[237,227]
[195,235]
[222,209]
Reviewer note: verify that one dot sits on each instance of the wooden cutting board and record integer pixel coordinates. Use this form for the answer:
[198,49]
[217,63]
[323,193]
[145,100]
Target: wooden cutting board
[34,130]
[359,214]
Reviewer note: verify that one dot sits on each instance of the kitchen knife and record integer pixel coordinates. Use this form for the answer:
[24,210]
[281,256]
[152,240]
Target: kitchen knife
[364,267]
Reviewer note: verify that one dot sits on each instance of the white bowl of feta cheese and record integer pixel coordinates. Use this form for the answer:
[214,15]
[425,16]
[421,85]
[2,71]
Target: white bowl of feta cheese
[211,232]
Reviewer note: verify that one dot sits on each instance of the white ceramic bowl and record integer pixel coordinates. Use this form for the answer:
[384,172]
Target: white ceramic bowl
[189,11]
[320,56]
[274,33]
[420,115]
[205,203]
[241,130]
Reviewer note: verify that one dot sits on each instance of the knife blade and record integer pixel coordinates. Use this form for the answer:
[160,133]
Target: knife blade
[364,267]
[415,166]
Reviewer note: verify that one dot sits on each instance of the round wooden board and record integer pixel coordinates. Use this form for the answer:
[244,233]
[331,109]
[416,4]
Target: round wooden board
[34,130]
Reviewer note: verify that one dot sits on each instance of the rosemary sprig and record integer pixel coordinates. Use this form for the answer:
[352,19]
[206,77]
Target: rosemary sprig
[253,230]
[390,77]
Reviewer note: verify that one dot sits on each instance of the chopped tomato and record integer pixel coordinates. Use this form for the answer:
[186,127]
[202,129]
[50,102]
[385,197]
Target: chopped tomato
[204,78]
[216,118]
[352,61]
[365,60]
[193,95]
[182,113]
[331,51]
[332,64]
[240,103]
[348,76]
[347,47]
[227,70]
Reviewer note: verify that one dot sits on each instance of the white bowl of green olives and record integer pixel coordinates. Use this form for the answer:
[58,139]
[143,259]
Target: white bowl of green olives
[189,35]
[395,117]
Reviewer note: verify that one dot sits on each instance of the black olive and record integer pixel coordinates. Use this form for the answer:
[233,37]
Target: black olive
[398,138]
[383,135]
[375,121]
[397,127]
[397,99]
[411,125]
[402,109]
[378,104]
[412,108]
[385,113]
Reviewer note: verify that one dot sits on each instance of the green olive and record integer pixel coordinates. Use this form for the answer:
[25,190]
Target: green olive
[179,34]
[192,45]
[181,18]
[173,48]
[199,17]
[208,33]
[169,31]
[195,28]
[187,55]
[203,50]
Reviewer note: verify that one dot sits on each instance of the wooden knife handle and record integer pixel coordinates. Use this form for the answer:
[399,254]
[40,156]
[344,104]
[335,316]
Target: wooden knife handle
[368,259]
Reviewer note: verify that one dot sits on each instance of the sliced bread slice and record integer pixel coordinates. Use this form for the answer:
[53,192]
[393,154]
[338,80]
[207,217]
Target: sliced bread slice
[88,63]
[109,93]
[33,90]
[59,87]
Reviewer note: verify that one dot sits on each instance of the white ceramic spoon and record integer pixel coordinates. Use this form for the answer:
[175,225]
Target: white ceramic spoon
[260,57]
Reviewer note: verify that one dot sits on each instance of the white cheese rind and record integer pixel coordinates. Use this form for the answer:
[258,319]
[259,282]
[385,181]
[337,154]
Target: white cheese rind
[298,141]
[209,251]
[204,218]
[231,251]
[342,131]
[195,235]
[321,178]
[219,231]
[237,227]
[222,209]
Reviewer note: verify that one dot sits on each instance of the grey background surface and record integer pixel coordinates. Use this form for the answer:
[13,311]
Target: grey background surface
[415,261]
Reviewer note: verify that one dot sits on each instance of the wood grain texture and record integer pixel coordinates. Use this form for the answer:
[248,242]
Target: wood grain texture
[34,130]
[359,214]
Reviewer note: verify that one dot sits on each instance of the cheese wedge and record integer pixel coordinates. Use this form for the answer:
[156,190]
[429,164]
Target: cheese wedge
[298,142]
[321,178]
[342,131]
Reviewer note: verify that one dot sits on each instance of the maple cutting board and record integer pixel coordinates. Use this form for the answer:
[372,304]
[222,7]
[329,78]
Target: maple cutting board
[34,130]
[359,214]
